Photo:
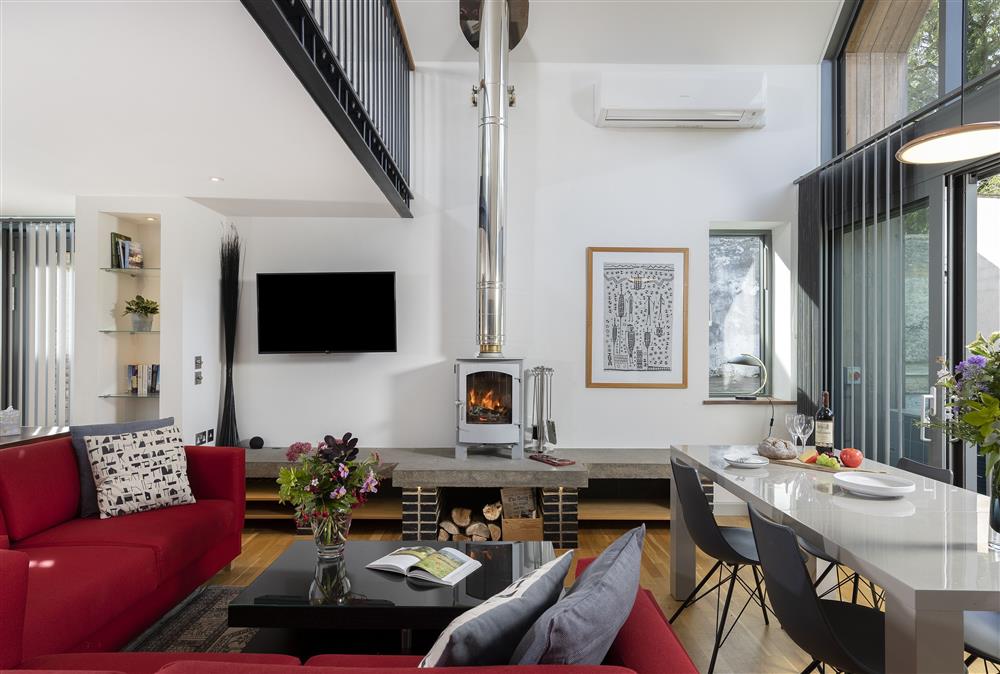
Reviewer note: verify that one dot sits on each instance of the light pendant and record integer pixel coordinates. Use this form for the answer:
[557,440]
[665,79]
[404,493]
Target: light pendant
[958,143]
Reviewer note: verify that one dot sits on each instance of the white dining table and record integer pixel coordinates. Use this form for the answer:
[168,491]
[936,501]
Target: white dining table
[928,549]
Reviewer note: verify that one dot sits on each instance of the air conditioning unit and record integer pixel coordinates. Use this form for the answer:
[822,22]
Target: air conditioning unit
[706,99]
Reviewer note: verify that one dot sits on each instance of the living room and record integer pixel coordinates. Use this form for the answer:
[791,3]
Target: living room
[609,300]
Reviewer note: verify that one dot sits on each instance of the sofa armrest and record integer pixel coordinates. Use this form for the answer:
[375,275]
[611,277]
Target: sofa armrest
[218,473]
[13,596]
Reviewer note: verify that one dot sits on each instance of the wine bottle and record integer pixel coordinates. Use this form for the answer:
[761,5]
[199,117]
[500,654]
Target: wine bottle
[824,426]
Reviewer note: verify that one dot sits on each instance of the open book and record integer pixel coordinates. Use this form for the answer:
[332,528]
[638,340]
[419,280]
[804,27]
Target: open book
[446,566]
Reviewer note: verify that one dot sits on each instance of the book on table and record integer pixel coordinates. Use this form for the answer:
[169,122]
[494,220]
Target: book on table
[446,566]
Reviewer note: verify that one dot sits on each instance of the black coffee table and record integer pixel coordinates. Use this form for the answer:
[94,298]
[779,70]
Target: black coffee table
[385,612]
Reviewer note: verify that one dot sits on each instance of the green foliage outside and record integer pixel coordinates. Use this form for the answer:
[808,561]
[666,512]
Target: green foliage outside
[989,187]
[983,20]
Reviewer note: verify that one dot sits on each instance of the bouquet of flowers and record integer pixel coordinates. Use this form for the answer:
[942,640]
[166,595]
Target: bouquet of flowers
[325,484]
[972,391]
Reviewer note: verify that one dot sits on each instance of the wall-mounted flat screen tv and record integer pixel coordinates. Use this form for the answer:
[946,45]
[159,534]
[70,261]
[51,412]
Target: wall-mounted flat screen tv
[330,312]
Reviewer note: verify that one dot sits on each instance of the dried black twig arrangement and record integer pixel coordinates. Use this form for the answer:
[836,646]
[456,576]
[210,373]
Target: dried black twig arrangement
[227,435]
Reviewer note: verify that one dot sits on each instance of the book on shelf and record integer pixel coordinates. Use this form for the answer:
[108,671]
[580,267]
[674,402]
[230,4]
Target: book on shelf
[117,260]
[142,379]
[134,259]
[446,566]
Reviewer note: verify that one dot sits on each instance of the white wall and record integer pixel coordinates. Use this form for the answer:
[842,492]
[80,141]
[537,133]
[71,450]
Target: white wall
[572,185]
[188,321]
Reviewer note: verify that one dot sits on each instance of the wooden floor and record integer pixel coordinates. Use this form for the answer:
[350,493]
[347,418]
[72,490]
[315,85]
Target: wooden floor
[752,647]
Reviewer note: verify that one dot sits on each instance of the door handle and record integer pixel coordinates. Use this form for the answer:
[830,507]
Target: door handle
[928,409]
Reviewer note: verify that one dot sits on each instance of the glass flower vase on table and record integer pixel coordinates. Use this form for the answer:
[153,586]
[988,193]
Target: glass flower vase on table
[972,395]
[325,484]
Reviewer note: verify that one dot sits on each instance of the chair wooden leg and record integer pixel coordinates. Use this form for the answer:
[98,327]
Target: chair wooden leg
[722,622]
[694,593]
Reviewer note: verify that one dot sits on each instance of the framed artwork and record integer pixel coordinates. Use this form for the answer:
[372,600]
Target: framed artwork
[637,317]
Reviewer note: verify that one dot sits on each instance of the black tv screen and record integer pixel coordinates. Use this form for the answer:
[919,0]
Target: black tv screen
[326,312]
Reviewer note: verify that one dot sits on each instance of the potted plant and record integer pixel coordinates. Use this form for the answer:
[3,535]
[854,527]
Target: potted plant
[325,484]
[142,311]
[972,393]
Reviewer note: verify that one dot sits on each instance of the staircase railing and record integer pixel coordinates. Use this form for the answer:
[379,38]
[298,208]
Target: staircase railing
[353,58]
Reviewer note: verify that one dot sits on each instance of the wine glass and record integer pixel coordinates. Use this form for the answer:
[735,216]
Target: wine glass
[806,430]
[791,425]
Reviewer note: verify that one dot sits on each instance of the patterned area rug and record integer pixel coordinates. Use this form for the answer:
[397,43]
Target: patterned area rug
[197,625]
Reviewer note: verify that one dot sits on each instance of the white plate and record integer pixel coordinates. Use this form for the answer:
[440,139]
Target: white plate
[746,460]
[874,484]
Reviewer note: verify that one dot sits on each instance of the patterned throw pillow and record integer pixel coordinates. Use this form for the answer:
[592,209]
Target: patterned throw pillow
[139,471]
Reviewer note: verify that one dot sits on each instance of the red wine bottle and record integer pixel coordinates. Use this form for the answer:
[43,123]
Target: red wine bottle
[824,426]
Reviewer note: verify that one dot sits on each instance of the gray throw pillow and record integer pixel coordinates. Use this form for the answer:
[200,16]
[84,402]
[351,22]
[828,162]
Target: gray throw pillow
[487,634]
[88,492]
[581,627]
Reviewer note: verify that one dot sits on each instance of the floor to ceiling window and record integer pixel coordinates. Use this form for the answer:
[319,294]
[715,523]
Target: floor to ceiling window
[36,318]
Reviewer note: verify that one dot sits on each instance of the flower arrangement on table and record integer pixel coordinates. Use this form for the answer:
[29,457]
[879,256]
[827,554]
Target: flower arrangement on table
[325,484]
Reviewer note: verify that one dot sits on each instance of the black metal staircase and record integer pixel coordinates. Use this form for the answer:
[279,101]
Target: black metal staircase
[353,59]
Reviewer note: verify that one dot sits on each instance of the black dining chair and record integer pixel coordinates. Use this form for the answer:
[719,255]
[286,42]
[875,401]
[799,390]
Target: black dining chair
[846,636]
[732,547]
[925,470]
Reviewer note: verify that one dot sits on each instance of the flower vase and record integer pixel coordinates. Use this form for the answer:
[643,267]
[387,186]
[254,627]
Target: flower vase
[330,533]
[993,489]
[330,583]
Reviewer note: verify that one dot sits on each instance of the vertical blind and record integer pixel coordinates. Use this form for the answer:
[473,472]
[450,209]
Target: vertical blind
[36,330]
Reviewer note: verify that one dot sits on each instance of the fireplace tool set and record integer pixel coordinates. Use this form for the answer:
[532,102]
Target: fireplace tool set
[542,427]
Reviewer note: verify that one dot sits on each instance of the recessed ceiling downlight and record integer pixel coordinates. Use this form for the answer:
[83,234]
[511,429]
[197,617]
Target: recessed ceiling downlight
[216,179]
[151,219]
[958,143]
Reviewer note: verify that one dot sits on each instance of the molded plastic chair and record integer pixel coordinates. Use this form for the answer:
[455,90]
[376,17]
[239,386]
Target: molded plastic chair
[732,547]
[846,636]
[912,466]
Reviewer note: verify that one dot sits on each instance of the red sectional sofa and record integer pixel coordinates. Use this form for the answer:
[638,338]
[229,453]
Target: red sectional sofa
[71,584]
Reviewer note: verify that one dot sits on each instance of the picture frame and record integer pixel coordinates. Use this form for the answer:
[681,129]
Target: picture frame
[637,317]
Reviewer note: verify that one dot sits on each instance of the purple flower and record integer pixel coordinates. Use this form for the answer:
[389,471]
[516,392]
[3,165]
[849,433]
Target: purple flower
[370,485]
[338,493]
[342,471]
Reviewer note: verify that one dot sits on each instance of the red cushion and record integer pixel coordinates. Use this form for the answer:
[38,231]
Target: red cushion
[229,668]
[177,535]
[74,590]
[13,594]
[647,643]
[364,661]
[147,663]
[39,486]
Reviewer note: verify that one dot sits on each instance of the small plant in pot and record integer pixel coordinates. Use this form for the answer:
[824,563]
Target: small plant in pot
[142,311]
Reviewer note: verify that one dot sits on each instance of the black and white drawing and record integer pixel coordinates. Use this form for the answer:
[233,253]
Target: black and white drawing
[638,316]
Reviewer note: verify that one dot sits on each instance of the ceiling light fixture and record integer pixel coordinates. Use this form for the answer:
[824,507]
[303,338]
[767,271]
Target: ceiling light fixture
[958,143]
[216,179]
[151,219]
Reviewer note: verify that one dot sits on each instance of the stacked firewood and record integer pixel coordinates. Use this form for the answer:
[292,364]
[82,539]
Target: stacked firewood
[466,524]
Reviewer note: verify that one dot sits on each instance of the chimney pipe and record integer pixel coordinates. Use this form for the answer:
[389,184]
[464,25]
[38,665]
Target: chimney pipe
[491,233]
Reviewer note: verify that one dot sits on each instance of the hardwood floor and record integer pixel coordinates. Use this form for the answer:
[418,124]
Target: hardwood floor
[752,647]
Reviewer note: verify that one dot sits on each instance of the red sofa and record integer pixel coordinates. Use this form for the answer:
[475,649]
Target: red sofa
[72,584]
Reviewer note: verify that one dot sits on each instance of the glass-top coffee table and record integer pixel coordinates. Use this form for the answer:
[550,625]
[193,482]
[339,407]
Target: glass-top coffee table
[298,594]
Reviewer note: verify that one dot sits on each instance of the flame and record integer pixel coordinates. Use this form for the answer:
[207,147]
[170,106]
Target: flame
[486,401]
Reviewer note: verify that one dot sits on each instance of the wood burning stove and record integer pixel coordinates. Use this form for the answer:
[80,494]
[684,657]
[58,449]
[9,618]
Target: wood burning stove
[490,405]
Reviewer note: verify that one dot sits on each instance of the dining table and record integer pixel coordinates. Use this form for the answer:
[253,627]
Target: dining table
[928,549]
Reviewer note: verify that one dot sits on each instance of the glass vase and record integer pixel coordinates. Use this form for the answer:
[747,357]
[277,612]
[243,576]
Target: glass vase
[330,533]
[993,489]
[330,583]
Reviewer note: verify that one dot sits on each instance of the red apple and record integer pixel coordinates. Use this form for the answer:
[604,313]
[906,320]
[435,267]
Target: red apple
[851,457]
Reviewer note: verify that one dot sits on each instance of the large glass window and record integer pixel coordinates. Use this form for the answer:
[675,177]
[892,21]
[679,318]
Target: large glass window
[738,269]
[922,59]
[982,37]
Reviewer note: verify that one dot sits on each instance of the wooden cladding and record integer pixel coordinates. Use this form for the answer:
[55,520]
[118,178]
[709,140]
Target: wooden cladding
[875,66]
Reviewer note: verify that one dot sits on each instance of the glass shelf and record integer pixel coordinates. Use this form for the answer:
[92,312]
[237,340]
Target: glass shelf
[130,332]
[128,395]
[143,271]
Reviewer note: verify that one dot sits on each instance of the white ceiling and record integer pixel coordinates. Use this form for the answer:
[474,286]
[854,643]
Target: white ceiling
[153,98]
[640,31]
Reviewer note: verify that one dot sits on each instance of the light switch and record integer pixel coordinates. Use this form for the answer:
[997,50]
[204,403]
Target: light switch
[197,362]
[197,377]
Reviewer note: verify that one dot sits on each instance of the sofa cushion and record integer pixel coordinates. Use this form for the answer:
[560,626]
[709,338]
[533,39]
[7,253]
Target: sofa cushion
[489,633]
[39,486]
[350,660]
[195,667]
[147,663]
[177,536]
[88,493]
[582,626]
[74,590]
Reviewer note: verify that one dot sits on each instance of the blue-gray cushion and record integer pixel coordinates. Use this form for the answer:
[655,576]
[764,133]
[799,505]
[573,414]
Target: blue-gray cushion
[581,627]
[88,492]
[487,634]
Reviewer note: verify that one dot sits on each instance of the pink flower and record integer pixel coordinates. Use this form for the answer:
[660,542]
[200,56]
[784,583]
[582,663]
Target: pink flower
[297,449]
[338,493]
[342,471]
[370,485]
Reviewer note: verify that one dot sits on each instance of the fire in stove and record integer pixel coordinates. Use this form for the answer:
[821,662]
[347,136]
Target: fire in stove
[487,407]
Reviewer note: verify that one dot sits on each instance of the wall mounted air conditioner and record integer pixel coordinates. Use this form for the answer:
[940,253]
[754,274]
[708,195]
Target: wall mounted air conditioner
[707,99]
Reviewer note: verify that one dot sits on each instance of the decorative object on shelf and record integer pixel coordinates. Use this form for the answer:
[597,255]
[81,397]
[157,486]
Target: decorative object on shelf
[637,317]
[142,311]
[325,484]
[330,584]
[10,422]
[230,254]
[972,394]
[752,361]
[777,448]
[117,261]
[256,442]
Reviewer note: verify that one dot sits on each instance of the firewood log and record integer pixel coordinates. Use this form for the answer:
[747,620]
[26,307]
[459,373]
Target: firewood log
[449,526]
[443,535]
[461,516]
[459,537]
[492,511]
[479,539]
[478,529]
[495,531]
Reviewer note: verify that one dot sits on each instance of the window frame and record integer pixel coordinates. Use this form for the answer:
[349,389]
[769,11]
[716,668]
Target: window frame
[766,302]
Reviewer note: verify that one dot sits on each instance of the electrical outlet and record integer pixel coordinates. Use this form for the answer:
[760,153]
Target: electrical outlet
[197,377]
[199,439]
[197,362]
[211,435]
